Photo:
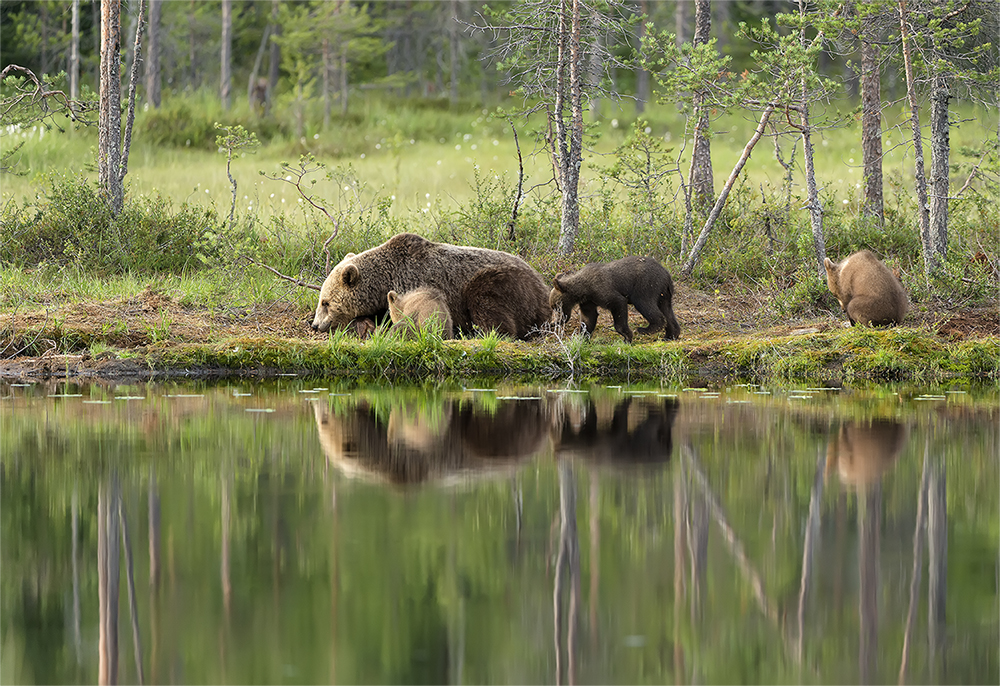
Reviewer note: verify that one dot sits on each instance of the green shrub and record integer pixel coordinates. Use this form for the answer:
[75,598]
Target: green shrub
[73,225]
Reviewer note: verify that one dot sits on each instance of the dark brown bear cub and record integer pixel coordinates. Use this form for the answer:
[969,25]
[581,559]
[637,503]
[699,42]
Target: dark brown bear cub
[867,290]
[640,281]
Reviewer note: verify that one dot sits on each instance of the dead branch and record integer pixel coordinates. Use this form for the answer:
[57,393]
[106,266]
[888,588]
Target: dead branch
[274,271]
[520,186]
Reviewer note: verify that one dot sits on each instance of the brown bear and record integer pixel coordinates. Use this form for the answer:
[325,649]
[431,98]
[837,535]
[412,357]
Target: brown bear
[640,281]
[861,452]
[410,310]
[867,290]
[508,296]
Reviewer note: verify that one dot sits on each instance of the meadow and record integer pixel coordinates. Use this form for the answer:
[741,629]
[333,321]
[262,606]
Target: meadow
[172,269]
[424,156]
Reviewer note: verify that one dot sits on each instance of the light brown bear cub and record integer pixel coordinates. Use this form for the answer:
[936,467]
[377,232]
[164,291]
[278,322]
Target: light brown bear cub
[411,310]
[867,290]
[639,281]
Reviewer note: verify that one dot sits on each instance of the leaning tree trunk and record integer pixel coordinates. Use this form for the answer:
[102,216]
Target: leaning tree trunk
[109,142]
[701,183]
[153,58]
[920,180]
[226,77]
[871,128]
[721,201]
[940,95]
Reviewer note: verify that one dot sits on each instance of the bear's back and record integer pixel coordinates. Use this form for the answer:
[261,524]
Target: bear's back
[863,275]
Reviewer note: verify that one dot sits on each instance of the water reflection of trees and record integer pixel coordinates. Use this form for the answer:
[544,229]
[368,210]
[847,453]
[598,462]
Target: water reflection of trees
[265,531]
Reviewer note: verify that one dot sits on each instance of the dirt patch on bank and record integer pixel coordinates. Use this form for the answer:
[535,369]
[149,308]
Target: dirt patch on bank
[110,339]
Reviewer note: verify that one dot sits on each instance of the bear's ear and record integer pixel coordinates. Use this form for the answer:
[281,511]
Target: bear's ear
[830,265]
[557,284]
[351,275]
[391,297]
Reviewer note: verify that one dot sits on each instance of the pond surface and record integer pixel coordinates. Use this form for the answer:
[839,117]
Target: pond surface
[305,532]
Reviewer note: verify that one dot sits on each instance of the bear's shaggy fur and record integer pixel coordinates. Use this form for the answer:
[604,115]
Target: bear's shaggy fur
[410,310]
[359,285]
[640,281]
[867,290]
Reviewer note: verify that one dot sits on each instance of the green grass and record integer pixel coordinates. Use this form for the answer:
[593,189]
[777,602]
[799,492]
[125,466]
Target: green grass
[424,159]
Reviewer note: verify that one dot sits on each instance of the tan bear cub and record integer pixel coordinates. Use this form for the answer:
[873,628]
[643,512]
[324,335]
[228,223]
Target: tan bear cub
[640,281]
[409,311]
[867,290]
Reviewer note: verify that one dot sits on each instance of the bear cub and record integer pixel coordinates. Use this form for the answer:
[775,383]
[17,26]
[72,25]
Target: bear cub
[867,290]
[410,310]
[640,281]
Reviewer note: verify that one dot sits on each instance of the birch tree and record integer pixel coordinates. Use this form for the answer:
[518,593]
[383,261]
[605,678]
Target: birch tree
[543,47]
[112,145]
[948,49]
[786,71]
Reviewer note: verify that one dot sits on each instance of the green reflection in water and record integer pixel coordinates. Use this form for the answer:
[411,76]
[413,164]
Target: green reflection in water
[311,532]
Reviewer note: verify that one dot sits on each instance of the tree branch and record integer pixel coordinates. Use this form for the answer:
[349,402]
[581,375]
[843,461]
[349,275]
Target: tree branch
[274,271]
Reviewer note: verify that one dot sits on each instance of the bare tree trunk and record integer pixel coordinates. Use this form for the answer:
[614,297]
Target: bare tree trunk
[327,85]
[343,80]
[940,95]
[107,577]
[153,58]
[641,74]
[721,201]
[453,46]
[701,181]
[274,61]
[937,573]
[815,207]
[870,515]
[227,52]
[918,561]
[809,544]
[74,54]
[567,558]
[192,39]
[871,126]
[109,117]
[569,143]
[920,180]
[680,21]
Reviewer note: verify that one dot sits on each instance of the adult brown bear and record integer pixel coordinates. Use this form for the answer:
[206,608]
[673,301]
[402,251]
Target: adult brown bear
[485,289]
[640,281]
[867,290]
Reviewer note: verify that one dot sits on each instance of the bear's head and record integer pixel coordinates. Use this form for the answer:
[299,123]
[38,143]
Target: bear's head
[833,278]
[338,298]
[395,306]
[561,299]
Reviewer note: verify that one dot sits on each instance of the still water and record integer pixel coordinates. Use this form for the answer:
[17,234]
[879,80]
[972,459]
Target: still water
[303,532]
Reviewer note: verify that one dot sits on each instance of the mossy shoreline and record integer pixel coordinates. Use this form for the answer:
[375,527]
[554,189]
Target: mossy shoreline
[855,355]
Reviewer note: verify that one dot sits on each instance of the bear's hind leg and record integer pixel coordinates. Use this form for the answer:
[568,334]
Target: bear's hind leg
[651,311]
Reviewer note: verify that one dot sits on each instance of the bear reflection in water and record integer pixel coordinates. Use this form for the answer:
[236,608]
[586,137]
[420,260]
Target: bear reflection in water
[456,440]
[862,452]
[452,440]
[637,431]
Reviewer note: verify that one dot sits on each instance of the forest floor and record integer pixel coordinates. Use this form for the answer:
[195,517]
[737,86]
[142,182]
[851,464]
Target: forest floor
[124,339]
